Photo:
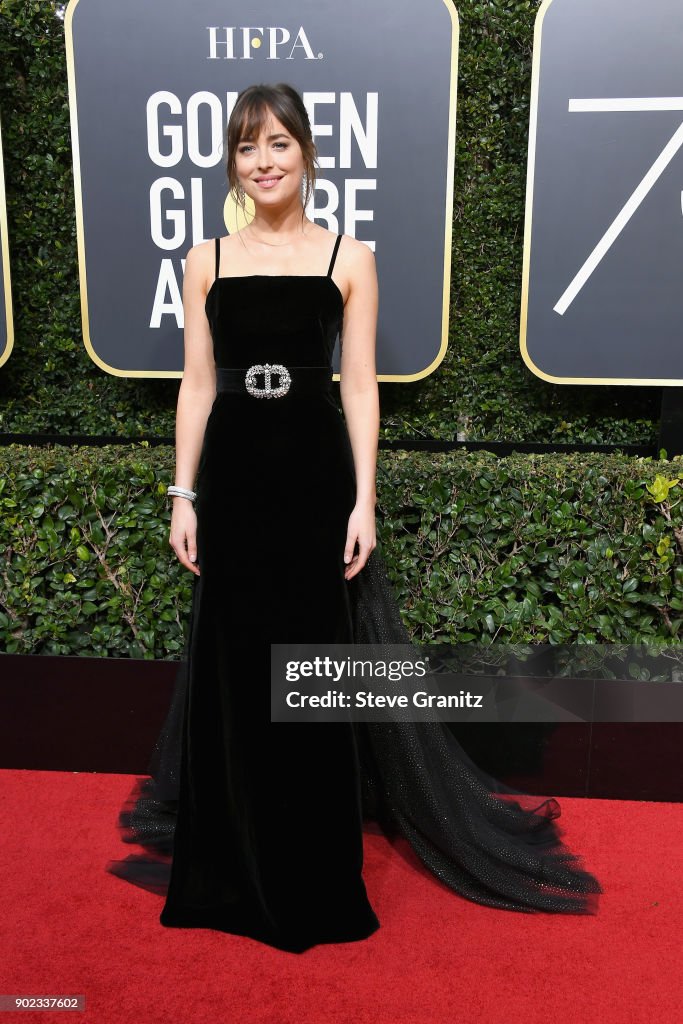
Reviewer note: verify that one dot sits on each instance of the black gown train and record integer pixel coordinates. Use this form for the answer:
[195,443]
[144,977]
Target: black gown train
[255,827]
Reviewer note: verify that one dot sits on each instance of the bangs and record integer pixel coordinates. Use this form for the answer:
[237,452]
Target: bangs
[255,118]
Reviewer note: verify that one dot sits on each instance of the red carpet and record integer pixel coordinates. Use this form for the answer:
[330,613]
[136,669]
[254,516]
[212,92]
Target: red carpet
[69,927]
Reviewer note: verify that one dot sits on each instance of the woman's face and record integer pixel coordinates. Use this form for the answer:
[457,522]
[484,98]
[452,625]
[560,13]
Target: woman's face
[275,158]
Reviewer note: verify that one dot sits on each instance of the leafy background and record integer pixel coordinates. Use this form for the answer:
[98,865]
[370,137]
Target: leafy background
[556,549]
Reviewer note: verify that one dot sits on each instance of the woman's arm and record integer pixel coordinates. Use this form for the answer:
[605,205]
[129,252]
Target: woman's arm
[360,398]
[195,398]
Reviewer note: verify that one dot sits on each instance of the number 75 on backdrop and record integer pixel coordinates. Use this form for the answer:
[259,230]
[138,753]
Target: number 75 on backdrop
[602,295]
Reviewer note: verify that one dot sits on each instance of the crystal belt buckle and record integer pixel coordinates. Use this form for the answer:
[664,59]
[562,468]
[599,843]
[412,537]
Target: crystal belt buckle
[268,391]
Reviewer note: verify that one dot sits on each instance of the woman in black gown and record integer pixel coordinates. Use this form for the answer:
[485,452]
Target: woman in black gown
[261,822]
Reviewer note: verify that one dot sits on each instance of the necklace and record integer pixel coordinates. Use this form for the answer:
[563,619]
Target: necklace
[275,245]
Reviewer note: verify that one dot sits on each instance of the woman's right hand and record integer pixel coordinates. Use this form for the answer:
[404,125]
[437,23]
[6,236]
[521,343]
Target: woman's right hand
[183,536]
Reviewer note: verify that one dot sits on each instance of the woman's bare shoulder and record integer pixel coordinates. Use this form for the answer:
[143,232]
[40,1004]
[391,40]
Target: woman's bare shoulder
[199,251]
[355,256]
[200,263]
[353,248]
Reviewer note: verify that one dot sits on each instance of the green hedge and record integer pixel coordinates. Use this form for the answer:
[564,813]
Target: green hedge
[526,549]
[482,390]
[536,549]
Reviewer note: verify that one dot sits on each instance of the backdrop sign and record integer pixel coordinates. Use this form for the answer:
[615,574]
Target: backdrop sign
[6,319]
[602,300]
[151,88]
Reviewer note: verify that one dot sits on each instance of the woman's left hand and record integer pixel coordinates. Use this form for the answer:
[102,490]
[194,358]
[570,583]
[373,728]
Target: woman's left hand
[362,529]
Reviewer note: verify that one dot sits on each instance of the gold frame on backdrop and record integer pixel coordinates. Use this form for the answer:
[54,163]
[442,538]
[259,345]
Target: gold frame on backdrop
[9,309]
[448,236]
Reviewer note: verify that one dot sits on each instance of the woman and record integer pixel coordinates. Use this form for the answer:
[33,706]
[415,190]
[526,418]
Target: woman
[265,819]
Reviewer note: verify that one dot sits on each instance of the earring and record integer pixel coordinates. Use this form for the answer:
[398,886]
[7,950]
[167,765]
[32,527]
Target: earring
[240,192]
[304,185]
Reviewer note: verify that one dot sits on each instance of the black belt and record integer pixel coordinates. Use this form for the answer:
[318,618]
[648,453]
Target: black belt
[273,380]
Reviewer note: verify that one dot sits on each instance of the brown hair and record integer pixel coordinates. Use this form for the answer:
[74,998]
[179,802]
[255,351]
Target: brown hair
[249,115]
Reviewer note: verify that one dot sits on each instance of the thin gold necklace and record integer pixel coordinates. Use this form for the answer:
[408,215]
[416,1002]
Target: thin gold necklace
[275,245]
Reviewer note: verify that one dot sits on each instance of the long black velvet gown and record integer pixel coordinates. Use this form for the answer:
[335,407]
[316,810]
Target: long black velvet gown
[260,823]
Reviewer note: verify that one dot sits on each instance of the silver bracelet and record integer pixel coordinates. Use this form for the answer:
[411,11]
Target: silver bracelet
[181,492]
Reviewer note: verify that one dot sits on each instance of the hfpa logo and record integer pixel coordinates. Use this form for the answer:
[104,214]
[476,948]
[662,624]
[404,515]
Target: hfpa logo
[244,43]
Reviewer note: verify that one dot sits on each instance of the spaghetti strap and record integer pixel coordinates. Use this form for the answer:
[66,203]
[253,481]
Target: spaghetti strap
[218,255]
[334,256]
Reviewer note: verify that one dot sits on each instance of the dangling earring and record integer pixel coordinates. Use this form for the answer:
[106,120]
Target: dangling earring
[304,186]
[240,192]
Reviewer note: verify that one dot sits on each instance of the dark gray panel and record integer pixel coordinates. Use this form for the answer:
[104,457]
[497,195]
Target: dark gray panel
[127,52]
[624,322]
